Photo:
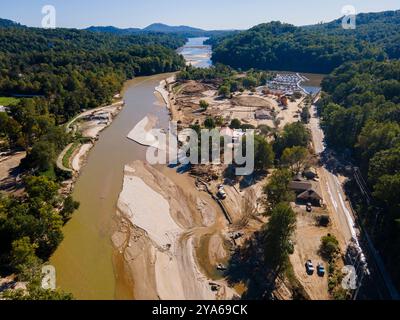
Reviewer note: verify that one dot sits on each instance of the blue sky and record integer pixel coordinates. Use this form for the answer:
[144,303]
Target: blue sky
[208,14]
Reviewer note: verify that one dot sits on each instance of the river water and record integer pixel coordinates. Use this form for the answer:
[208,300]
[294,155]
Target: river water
[196,53]
[83,261]
[313,85]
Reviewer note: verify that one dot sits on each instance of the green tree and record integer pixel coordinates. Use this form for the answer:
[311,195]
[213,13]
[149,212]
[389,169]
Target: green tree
[197,128]
[22,257]
[264,129]
[376,137]
[13,131]
[209,123]
[329,247]
[49,232]
[204,105]
[225,92]
[384,162]
[305,115]
[249,82]
[294,158]
[342,126]
[41,187]
[294,134]
[70,205]
[263,154]
[41,157]
[36,293]
[235,124]
[277,189]
[387,190]
[278,235]
[4,118]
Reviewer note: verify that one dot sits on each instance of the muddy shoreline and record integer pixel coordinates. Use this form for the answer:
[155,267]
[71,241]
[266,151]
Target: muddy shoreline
[84,260]
[164,256]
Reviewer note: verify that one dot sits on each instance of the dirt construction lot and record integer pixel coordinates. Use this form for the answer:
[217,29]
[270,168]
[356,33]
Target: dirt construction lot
[186,98]
[9,171]
[307,241]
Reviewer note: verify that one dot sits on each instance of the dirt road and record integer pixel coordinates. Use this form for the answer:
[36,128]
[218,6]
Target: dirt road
[343,218]
[332,189]
[165,222]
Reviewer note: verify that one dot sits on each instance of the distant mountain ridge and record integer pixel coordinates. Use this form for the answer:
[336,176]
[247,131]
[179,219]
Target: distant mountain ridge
[160,27]
[182,30]
[155,27]
[114,30]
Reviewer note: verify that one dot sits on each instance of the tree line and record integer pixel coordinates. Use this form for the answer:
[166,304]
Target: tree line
[319,48]
[79,69]
[361,116]
[58,73]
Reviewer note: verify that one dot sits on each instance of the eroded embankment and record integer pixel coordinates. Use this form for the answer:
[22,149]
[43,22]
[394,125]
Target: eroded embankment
[159,226]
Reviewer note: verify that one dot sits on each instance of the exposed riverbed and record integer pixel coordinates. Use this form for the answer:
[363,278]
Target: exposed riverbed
[86,263]
[84,259]
[196,53]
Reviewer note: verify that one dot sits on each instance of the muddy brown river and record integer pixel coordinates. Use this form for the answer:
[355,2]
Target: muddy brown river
[83,261]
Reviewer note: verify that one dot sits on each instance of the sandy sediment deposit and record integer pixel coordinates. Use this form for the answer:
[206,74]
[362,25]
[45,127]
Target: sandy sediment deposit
[143,132]
[162,90]
[159,225]
[79,157]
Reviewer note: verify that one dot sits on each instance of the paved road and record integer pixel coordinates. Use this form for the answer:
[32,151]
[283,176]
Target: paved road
[334,195]
[60,159]
[336,199]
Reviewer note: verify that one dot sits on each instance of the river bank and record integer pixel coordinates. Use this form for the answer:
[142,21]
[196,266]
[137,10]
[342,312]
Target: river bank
[95,261]
[84,260]
[160,222]
[196,53]
[86,129]
[173,235]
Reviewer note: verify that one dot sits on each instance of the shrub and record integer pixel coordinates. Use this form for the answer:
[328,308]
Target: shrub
[323,220]
[204,105]
[329,247]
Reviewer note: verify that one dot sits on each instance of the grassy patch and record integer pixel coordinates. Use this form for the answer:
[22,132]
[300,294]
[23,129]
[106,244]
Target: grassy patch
[50,173]
[8,101]
[69,153]
[176,88]
[335,282]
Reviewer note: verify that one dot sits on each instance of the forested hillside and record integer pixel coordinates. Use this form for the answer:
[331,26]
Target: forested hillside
[57,74]
[361,117]
[79,69]
[318,48]
[160,28]
[381,29]
[65,71]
